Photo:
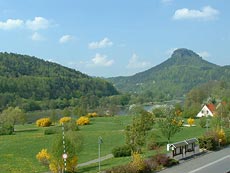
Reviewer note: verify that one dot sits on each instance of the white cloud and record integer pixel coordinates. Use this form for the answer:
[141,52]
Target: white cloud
[38,23]
[135,63]
[100,44]
[207,13]
[11,24]
[65,39]
[204,54]
[37,37]
[101,60]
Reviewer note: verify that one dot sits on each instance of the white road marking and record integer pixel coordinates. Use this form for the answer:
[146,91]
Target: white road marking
[209,164]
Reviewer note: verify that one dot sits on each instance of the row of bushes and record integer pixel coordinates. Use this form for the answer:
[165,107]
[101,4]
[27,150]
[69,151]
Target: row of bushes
[46,122]
[139,165]
[213,139]
[71,125]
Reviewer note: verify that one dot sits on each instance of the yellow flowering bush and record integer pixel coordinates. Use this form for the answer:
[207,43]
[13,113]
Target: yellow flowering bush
[190,121]
[177,122]
[64,120]
[43,122]
[94,114]
[71,166]
[43,157]
[137,161]
[82,120]
[55,166]
[180,123]
[221,136]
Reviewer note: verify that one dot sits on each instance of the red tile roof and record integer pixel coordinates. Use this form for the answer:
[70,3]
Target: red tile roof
[211,107]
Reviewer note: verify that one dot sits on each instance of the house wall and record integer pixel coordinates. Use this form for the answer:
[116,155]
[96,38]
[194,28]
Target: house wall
[205,112]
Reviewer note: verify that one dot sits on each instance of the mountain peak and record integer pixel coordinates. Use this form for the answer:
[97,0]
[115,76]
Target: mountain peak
[183,53]
[184,56]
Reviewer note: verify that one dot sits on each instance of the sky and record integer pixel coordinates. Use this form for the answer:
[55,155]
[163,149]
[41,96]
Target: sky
[109,38]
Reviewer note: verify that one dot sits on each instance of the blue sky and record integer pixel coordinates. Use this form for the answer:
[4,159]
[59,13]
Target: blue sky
[115,37]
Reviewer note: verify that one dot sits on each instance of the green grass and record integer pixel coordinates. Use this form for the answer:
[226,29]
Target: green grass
[17,152]
[111,129]
[104,165]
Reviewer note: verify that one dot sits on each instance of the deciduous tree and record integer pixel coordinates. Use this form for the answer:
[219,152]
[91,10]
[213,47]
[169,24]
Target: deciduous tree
[12,116]
[170,125]
[136,132]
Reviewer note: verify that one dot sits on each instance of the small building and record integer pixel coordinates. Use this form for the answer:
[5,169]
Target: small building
[183,147]
[207,110]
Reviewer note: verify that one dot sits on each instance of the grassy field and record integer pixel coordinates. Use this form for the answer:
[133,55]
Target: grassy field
[17,152]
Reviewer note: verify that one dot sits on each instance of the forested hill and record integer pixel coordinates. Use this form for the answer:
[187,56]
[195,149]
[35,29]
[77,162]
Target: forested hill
[173,78]
[27,77]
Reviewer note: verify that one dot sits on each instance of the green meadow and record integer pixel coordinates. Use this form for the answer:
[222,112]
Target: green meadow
[18,151]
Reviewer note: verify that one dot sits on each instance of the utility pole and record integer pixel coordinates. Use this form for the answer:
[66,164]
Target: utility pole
[99,152]
[64,156]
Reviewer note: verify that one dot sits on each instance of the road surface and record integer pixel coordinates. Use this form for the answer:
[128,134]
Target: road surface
[214,162]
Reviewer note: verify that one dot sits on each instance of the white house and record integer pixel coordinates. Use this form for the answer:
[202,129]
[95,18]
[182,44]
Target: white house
[207,110]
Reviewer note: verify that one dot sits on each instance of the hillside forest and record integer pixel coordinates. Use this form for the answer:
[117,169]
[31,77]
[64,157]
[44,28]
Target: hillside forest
[34,84]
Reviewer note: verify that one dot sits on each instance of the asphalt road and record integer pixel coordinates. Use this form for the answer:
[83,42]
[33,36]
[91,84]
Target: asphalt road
[214,162]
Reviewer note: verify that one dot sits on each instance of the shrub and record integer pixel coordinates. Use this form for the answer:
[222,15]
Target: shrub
[137,161]
[94,114]
[122,169]
[71,125]
[158,161]
[6,129]
[52,130]
[203,121]
[64,120]
[172,162]
[138,165]
[190,121]
[122,151]
[55,164]
[72,164]
[83,120]
[221,137]
[151,165]
[227,134]
[207,142]
[211,139]
[161,159]
[43,122]
[43,157]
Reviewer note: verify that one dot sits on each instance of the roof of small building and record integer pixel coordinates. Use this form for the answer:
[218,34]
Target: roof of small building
[184,143]
[211,107]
